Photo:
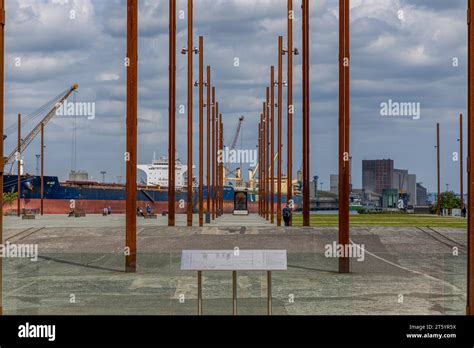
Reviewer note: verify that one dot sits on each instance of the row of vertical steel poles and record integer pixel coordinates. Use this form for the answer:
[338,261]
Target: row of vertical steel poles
[214,126]
[266,142]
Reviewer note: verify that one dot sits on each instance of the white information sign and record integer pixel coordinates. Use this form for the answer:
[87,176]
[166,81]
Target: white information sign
[234,260]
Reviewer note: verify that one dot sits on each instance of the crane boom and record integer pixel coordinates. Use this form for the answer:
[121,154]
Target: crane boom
[237,132]
[29,138]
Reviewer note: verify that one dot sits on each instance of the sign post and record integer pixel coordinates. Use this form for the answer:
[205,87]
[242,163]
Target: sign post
[234,260]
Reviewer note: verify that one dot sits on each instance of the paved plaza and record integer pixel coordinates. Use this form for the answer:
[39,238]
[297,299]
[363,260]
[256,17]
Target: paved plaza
[80,269]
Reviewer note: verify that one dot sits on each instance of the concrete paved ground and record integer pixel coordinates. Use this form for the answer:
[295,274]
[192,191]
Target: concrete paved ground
[80,269]
[117,220]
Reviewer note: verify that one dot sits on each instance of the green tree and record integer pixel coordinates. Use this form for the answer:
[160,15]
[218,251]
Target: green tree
[449,201]
[9,197]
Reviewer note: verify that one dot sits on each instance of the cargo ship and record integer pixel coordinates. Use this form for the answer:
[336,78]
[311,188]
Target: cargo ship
[92,197]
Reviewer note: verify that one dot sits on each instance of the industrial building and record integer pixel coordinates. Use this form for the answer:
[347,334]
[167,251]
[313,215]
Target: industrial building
[421,195]
[381,177]
[377,175]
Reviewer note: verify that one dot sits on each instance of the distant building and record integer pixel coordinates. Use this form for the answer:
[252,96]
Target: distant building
[79,175]
[406,184]
[380,175]
[400,180]
[313,187]
[334,185]
[390,199]
[412,189]
[368,198]
[377,175]
[421,195]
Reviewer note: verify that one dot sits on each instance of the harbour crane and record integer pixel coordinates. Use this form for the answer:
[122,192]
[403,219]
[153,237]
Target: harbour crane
[237,132]
[57,103]
[237,173]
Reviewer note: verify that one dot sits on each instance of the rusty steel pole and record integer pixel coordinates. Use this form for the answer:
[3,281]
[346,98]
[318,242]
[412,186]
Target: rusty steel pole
[267,152]
[306,116]
[262,115]
[461,159]
[131,142]
[172,114]
[272,143]
[216,196]
[265,159]
[221,168]
[290,107]
[201,129]
[214,157]
[2,160]
[470,162]
[255,175]
[438,169]
[264,167]
[18,160]
[208,149]
[260,161]
[344,129]
[279,131]
[190,51]
[42,170]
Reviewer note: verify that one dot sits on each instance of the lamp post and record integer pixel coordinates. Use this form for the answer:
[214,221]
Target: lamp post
[42,170]
[260,161]
[279,131]
[217,161]
[264,159]
[190,50]
[208,150]
[18,161]
[461,160]
[267,154]
[201,129]
[221,167]
[306,98]
[214,158]
[291,51]
[272,143]
[438,170]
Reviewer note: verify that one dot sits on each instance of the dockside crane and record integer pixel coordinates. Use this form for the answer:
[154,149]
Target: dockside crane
[237,173]
[35,131]
[237,132]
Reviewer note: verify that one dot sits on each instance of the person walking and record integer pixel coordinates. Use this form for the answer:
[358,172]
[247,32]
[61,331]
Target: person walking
[287,214]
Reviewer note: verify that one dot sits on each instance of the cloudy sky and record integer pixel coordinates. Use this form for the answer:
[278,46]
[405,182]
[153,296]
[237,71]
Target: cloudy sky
[401,50]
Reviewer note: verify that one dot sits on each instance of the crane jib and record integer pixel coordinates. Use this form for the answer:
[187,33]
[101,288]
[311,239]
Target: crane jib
[31,136]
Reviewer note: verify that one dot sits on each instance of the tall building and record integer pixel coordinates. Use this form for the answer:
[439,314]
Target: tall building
[377,175]
[421,195]
[405,183]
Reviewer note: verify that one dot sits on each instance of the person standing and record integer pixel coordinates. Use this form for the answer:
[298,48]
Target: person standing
[287,214]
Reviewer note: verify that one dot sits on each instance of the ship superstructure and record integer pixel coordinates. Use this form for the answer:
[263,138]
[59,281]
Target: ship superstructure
[157,174]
